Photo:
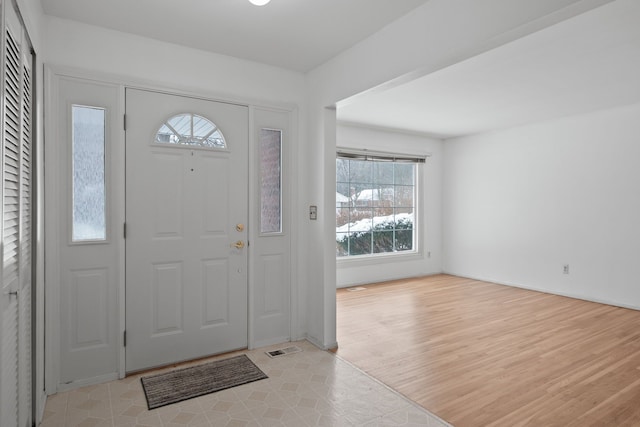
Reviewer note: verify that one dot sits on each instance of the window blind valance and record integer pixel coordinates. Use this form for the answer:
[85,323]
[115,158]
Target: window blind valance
[379,156]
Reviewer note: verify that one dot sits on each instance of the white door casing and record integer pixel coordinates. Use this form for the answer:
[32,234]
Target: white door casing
[186,207]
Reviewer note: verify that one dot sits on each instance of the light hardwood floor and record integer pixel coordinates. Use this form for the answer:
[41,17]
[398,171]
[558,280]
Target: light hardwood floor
[480,354]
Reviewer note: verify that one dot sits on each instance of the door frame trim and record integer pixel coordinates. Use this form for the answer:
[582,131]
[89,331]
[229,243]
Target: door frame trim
[52,75]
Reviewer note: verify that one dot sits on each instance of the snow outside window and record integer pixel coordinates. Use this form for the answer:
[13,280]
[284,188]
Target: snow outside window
[375,207]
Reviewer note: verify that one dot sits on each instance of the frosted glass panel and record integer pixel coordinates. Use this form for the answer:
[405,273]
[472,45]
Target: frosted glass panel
[88,174]
[270,181]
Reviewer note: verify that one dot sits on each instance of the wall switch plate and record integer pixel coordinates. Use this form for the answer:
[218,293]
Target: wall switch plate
[313,212]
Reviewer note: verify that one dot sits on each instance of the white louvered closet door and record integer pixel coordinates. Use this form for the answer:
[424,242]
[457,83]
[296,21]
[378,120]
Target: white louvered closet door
[15,356]
[24,308]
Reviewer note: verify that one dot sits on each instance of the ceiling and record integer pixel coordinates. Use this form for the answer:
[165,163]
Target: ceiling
[293,34]
[587,63]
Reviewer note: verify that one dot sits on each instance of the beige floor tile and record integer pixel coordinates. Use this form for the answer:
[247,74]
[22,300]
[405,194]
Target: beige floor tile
[310,388]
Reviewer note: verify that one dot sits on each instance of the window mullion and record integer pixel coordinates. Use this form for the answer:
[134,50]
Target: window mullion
[377,213]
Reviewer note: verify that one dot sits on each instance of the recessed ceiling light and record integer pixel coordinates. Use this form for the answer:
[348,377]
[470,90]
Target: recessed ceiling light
[259,2]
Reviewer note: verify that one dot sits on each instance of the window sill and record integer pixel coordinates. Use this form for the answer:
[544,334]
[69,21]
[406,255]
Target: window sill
[364,260]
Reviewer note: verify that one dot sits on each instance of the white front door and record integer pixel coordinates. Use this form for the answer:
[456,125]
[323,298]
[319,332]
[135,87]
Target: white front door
[186,217]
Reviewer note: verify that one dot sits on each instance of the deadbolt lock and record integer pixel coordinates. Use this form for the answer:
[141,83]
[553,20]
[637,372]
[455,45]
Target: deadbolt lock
[239,227]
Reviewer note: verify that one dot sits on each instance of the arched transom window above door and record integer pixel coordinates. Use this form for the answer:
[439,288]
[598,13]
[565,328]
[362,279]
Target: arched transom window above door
[190,130]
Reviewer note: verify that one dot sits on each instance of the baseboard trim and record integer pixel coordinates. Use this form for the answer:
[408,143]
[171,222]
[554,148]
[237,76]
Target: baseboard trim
[369,282]
[88,381]
[321,346]
[40,409]
[269,342]
[547,291]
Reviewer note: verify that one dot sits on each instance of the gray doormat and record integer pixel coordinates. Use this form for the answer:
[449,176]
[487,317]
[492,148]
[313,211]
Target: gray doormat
[187,383]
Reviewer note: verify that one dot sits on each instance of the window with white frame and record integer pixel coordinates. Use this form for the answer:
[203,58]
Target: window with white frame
[376,204]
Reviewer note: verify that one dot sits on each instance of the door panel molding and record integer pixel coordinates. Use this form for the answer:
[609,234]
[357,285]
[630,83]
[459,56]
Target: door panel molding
[273,304]
[64,258]
[68,316]
[207,194]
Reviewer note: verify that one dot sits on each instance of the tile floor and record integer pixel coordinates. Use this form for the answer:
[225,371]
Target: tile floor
[310,388]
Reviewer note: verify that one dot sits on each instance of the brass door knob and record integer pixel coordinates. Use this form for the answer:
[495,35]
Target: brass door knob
[238,245]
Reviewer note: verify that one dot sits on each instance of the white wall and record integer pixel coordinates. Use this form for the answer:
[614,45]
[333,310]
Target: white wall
[351,271]
[72,44]
[521,203]
[33,16]
[433,36]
